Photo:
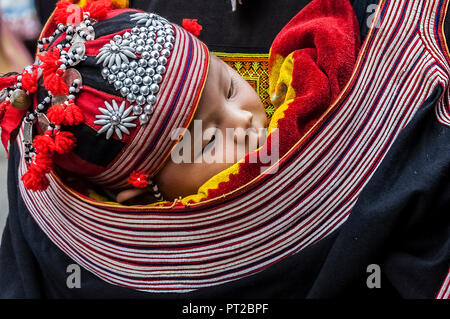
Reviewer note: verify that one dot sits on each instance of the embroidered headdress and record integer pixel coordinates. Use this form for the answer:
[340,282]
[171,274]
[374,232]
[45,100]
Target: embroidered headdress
[107,89]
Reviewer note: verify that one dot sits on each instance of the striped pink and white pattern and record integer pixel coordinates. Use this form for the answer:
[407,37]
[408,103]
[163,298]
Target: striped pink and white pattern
[444,292]
[318,183]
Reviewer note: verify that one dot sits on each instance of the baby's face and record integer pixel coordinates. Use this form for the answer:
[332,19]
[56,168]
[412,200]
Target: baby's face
[231,118]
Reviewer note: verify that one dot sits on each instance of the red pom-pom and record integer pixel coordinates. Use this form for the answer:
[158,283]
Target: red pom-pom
[56,114]
[68,13]
[50,70]
[138,179]
[50,62]
[35,181]
[64,142]
[43,163]
[44,144]
[56,85]
[73,115]
[62,114]
[98,9]
[29,81]
[192,26]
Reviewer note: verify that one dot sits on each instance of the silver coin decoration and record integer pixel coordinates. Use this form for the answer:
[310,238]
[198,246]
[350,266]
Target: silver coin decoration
[77,52]
[115,119]
[134,64]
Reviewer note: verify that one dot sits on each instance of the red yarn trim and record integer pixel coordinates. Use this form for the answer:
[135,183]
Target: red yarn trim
[64,142]
[98,9]
[56,114]
[30,81]
[73,115]
[65,114]
[56,85]
[35,181]
[192,26]
[138,179]
[44,144]
[68,13]
[50,61]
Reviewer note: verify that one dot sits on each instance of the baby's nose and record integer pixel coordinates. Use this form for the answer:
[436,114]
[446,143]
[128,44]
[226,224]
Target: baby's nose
[249,119]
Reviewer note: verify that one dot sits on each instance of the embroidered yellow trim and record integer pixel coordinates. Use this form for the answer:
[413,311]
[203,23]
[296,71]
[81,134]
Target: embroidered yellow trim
[119,3]
[254,68]
[282,75]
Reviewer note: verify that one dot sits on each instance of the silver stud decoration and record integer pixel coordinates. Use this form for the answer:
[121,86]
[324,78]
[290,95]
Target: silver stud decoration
[115,53]
[149,20]
[115,119]
[135,63]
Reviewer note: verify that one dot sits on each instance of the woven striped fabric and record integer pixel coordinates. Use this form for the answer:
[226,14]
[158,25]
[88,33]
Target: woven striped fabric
[318,182]
[444,292]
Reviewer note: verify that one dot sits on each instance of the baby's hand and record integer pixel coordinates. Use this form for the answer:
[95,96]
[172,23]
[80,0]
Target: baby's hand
[234,4]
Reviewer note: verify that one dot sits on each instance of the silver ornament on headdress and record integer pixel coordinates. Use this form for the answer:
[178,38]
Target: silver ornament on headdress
[115,119]
[135,62]
[148,19]
[115,53]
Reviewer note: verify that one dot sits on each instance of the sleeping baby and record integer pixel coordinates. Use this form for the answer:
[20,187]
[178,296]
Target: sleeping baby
[135,107]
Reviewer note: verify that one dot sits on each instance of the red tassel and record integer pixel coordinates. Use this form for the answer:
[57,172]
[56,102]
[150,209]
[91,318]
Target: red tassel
[44,144]
[73,115]
[68,13]
[29,81]
[53,81]
[56,114]
[61,142]
[50,62]
[35,181]
[56,85]
[98,9]
[64,142]
[43,163]
[192,26]
[62,114]
[138,179]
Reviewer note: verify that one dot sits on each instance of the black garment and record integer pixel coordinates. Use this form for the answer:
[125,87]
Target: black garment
[400,222]
[44,9]
[250,29]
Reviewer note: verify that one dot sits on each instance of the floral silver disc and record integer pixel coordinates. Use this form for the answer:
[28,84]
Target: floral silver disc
[115,119]
[135,62]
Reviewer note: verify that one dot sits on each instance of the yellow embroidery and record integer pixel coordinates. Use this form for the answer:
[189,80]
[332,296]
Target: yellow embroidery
[254,68]
[118,3]
[122,3]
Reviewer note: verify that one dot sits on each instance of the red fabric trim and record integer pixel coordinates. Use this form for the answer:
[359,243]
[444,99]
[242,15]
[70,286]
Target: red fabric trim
[93,47]
[11,120]
[90,99]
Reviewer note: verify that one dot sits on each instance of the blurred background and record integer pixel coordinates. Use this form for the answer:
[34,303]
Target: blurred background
[20,24]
